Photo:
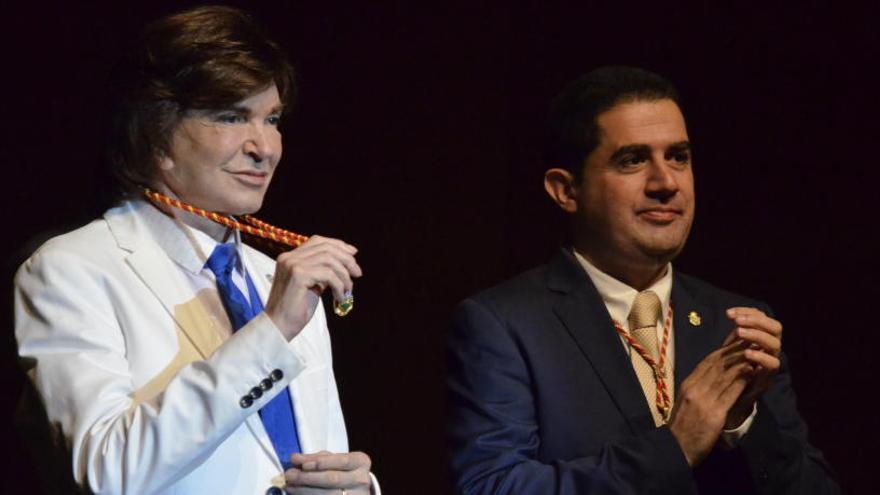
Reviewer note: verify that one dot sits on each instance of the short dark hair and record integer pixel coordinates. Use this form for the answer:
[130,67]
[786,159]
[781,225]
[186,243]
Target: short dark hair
[573,132]
[204,58]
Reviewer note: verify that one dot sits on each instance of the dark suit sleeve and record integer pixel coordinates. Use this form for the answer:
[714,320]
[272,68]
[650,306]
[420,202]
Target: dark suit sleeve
[776,449]
[494,431]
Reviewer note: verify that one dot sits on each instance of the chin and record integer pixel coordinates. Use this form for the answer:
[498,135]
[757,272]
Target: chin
[249,209]
[663,253]
[239,208]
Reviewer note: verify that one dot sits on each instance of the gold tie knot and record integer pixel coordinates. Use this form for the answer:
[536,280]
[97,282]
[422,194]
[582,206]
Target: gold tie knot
[643,316]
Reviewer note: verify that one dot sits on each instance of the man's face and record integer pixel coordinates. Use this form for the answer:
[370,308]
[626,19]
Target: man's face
[636,200]
[223,160]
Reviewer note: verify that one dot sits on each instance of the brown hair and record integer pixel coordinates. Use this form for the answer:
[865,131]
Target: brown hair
[204,58]
[573,131]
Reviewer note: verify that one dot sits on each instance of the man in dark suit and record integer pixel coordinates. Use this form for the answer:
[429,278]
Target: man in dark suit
[604,371]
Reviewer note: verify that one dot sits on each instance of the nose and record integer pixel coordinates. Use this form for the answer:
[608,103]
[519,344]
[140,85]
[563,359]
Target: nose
[662,183]
[260,145]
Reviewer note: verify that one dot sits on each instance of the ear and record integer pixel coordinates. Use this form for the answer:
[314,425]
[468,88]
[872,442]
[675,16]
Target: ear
[164,162]
[559,184]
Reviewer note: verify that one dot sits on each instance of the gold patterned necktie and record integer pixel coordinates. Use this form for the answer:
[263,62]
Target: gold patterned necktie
[643,316]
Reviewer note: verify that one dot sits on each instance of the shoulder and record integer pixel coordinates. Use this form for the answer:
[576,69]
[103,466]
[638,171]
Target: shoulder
[516,290]
[521,299]
[712,295]
[98,244]
[87,244]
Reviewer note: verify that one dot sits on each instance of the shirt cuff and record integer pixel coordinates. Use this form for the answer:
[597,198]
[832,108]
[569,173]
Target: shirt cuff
[731,438]
[374,485]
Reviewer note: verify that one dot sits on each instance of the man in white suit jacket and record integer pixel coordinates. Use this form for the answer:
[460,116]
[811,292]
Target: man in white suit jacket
[135,357]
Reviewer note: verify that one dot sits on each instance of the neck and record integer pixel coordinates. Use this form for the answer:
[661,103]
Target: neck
[639,276]
[219,233]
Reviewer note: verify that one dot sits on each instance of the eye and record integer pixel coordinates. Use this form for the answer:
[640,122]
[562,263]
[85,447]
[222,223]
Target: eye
[682,157]
[274,120]
[630,160]
[230,118]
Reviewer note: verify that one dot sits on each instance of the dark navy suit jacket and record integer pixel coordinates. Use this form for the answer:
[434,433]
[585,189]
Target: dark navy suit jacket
[544,400]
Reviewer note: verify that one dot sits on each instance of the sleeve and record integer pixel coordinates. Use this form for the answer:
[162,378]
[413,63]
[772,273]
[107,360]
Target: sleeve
[493,428]
[779,457]
[66,324]
[730,438]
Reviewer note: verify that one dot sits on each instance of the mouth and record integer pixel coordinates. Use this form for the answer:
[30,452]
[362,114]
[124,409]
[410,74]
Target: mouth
[660,215]
[255,178]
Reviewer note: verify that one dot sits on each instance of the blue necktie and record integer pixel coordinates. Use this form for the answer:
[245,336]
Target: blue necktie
[277,415]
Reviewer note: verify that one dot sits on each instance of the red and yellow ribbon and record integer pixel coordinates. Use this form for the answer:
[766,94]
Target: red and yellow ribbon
[662,400]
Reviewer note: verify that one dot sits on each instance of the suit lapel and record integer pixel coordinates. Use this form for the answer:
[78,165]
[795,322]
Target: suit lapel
[158,273]
[695,330]
[582,312]
[163,278]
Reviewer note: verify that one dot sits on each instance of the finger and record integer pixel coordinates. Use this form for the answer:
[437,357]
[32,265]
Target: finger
[729,339]
[299,458]
[340,271]
[336,285]
[729,375]
[742,310]
[311,271]
[317,240]
[327,479]
[705,376]
[337,462]
[763,323]
[767,361]
[322,277]
[304,490]
[753,318]
[323,252]
[733,348]
[733,358]
[768,342]
[738,372]
[731,393]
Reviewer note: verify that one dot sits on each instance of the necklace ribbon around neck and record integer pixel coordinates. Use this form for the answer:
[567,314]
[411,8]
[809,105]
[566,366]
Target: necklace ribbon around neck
[252,226]
[662,398]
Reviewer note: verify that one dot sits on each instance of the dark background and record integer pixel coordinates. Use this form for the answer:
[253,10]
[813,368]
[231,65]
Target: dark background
[416,139]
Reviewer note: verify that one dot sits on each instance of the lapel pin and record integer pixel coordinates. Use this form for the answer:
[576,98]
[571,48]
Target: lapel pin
[694,319]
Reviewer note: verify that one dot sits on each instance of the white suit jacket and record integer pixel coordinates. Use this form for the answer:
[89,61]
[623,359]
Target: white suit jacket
[142,387]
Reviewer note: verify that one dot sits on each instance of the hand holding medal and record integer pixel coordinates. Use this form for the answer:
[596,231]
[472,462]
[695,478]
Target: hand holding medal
[342,304]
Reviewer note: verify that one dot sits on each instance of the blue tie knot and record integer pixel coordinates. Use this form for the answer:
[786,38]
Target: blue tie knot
[222,260]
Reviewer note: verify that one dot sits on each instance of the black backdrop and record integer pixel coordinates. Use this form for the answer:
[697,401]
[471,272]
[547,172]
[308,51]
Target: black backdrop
[415,139]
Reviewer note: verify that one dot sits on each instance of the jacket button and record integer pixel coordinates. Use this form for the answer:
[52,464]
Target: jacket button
[246,402]
[256,393]
[274,491]
[276,375]
[266,384]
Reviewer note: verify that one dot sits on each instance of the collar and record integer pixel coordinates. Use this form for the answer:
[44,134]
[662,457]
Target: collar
[182,239]
[619,297]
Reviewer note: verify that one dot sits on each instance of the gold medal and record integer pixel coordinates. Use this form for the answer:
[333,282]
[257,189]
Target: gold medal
[343,307]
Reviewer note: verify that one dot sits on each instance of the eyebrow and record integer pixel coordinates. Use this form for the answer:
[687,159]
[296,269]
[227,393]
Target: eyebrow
[631,149]
[246,110]
[644,149]
[680,146]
